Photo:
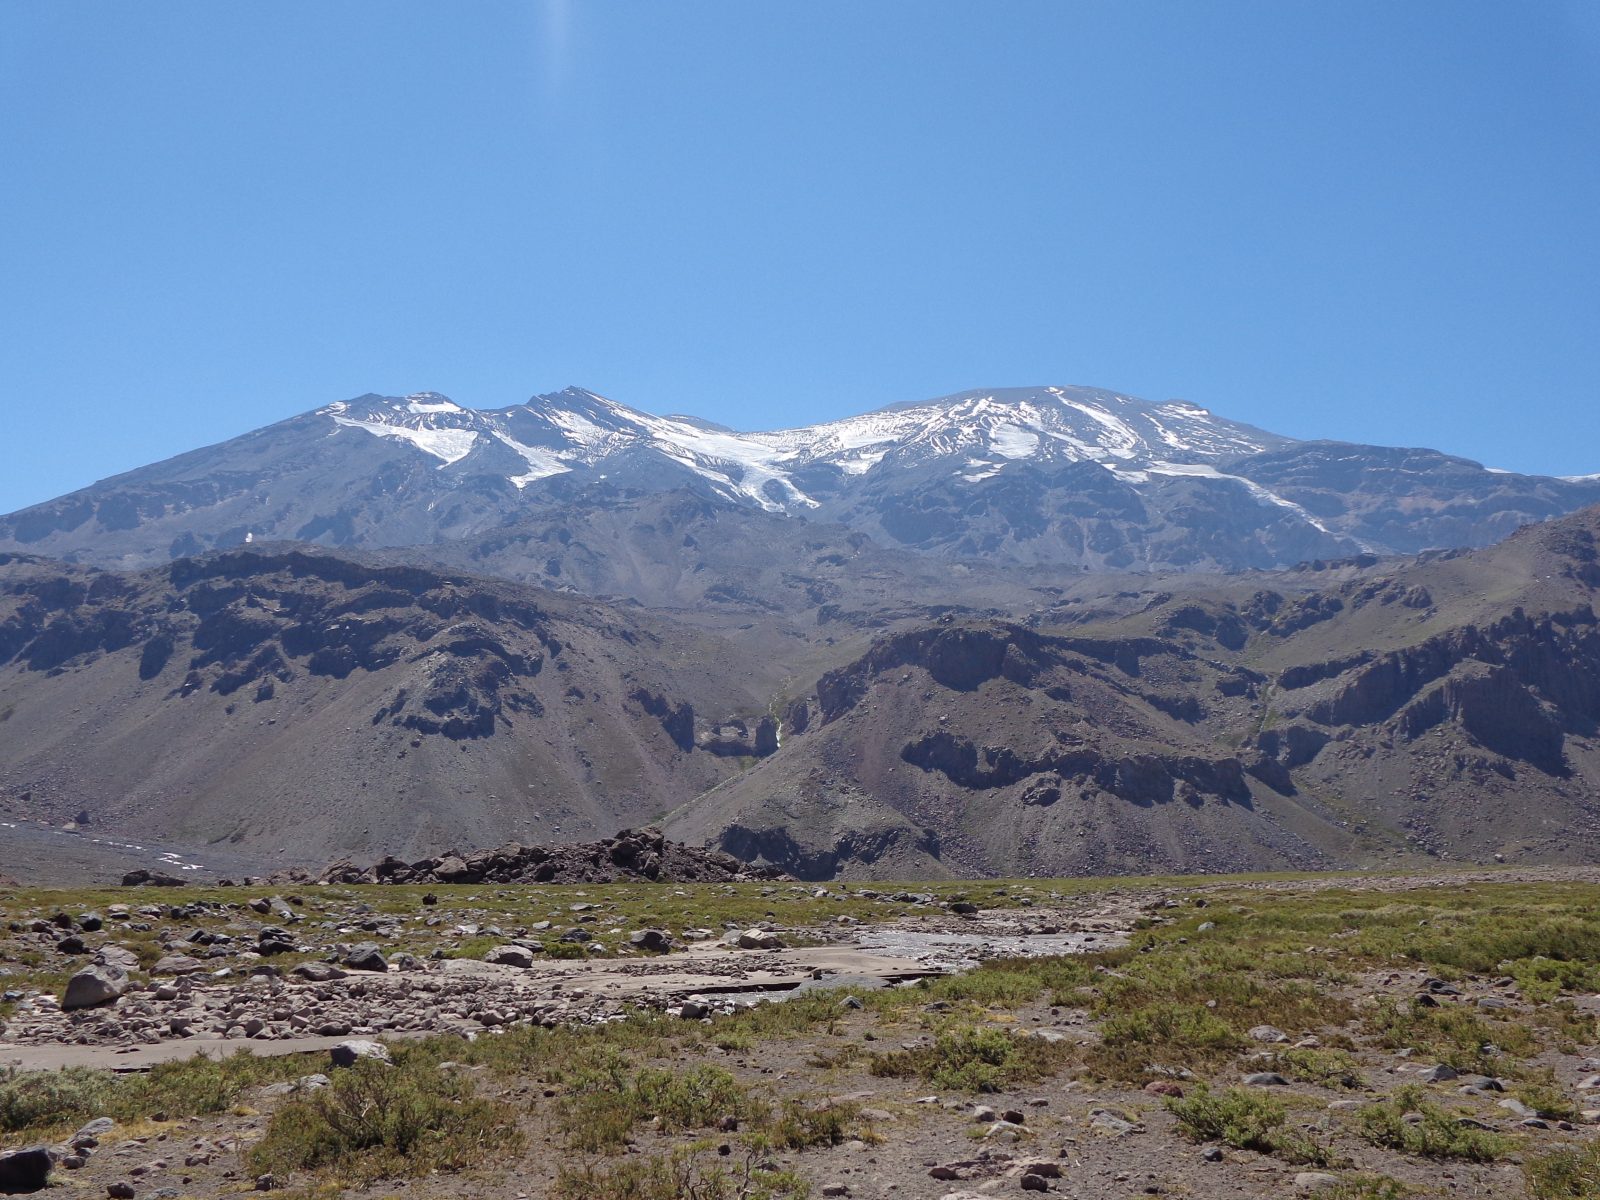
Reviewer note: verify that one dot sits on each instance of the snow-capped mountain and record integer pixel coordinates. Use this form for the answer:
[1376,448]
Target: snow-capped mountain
[978,433]
[1068,476]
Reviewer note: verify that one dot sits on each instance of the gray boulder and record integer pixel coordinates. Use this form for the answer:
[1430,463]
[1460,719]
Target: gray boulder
[510,956]
[365,956]
[272,940]
[94,986]
[176,964]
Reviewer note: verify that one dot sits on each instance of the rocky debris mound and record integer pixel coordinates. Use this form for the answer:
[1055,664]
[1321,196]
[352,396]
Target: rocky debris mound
[632,854]
[146,878]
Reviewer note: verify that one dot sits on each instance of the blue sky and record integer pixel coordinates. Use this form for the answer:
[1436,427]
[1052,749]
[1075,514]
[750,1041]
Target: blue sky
[1365,220]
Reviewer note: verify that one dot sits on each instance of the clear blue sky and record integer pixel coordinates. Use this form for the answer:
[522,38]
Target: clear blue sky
[1371,220]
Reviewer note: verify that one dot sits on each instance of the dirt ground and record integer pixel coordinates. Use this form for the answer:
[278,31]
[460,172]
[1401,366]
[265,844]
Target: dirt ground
[1068,1133]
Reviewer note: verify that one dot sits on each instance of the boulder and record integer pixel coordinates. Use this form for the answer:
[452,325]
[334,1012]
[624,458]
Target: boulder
[144,878]
[24,1171]
[117,956]
[452,869]
[510,956]
[759,939]
[94,986]
[347,1054]
[1316,1183]
[272,940]
[655,941]
[365,956]
[176,964]
[318,972]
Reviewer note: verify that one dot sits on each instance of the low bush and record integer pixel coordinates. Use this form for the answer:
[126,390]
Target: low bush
[1246,1121]
[1434,1133]
[1566,1173]
[42,1100]
[974,1059]
[606,1101]
[689,1173]
[376,1121]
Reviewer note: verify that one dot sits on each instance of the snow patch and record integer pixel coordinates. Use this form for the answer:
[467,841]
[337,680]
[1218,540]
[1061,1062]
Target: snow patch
[1012,441]
[542,463]
[430,402]
[450,445]
[1265,495]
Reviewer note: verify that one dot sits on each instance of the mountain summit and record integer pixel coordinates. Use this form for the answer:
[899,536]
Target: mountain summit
[1071,476]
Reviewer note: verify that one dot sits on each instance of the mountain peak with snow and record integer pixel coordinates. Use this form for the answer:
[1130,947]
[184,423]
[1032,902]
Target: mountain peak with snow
[1048,475]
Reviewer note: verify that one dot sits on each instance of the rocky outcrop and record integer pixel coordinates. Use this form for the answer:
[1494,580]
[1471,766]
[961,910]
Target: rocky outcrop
[676,719]
[1516,686]
[964,658]
[1143,779]
[738,738]
[850,850]
[631,854]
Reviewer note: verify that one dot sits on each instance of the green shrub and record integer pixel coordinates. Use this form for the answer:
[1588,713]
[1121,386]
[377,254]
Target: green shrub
[1247,1121]
[689,1173]
[1326,1068]
[1435,1134]
[39,1100]
[376,1121]
[974,1059]
[799,1126]
[606,1101]
[1566,1173]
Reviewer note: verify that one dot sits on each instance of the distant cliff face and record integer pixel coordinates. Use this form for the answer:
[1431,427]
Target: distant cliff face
[308,704]
[1447,707]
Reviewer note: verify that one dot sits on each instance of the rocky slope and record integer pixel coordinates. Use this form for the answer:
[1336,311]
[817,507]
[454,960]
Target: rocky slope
[1064,476]
[291,705]
[832,717]
[1447,706]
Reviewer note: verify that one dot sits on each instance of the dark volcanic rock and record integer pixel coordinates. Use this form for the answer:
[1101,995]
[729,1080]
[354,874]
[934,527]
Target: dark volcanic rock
[632,854]
[147,878]
[25,1171]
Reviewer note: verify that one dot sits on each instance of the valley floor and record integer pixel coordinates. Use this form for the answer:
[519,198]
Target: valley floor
[1346,1036]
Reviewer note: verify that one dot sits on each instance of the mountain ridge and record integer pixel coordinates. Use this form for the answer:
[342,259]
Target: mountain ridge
[1076,477]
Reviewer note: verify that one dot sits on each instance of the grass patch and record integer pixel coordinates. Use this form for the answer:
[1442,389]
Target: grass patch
[41,1103]
[377,1121]
[689,1173]
[1566,1173]
[44,1100]
[1323,1067]
[974,1059]
[1164,1033]
[1246,1121]
[1434,1133]
[1452,1033]
[606,1101]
